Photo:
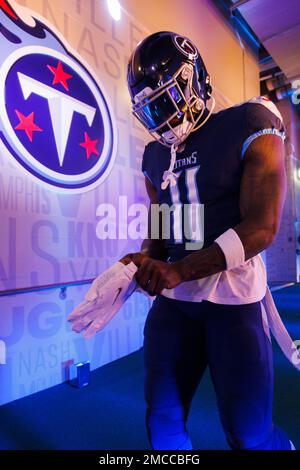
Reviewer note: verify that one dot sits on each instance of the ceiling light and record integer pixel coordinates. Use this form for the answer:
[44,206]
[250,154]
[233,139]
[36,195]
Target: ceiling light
[114,9]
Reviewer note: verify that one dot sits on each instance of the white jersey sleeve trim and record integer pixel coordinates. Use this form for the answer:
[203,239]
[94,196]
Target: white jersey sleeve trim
[252,137]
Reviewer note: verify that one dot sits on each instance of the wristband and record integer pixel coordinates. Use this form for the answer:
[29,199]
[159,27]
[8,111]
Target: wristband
[232,247]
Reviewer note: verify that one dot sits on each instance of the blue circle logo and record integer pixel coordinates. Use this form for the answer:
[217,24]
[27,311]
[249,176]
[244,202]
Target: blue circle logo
[56,121]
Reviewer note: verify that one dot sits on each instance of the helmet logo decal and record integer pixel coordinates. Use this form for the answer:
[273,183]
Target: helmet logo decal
[186,46]
[55,120]
[142,94]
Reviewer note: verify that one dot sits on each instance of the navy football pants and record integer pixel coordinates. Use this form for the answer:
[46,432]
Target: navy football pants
[180,340]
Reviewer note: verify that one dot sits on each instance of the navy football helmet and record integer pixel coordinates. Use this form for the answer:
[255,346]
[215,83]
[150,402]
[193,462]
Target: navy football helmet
[169,86]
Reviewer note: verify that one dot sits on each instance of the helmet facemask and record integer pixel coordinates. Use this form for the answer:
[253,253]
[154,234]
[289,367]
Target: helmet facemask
[173,109]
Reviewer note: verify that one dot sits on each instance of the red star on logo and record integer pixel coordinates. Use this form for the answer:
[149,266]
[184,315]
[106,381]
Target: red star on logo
[5,6]
[60,76]
[89,145]
[27,124]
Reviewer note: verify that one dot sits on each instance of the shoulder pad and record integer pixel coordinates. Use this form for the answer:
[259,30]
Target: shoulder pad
[268,104]
[264,101]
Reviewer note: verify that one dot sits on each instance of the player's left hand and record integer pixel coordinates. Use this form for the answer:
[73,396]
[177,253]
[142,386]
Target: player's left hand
[154,276]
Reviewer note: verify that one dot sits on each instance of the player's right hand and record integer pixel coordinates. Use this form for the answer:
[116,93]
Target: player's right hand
[104,299]
[137,258]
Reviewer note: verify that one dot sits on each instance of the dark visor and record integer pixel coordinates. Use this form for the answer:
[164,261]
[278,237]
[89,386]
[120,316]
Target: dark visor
[154,112]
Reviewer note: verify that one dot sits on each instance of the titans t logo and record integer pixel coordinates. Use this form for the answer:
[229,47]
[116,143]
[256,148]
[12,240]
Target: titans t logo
[54,118]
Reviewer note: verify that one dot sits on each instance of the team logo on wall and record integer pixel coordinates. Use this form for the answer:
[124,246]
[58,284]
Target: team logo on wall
[54,118]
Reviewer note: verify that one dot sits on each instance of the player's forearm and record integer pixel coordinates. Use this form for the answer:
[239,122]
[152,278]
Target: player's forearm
[202,263]
[256,237]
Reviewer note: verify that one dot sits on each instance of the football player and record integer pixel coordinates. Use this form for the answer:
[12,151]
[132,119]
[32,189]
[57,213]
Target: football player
[210,302]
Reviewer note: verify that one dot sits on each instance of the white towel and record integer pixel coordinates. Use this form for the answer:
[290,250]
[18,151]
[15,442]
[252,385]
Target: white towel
[280,333]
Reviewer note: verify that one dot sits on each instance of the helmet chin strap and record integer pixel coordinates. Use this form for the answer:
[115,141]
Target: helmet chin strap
[169,176]
[182,131]
[178,133]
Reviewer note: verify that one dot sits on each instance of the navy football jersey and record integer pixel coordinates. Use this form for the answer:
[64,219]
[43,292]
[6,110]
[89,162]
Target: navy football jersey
[209,171]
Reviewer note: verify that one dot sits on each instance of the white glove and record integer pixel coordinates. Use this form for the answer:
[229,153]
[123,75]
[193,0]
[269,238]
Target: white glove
[104,299]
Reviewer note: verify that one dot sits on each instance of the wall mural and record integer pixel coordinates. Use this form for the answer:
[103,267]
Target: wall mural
[69,148]
[49,100]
